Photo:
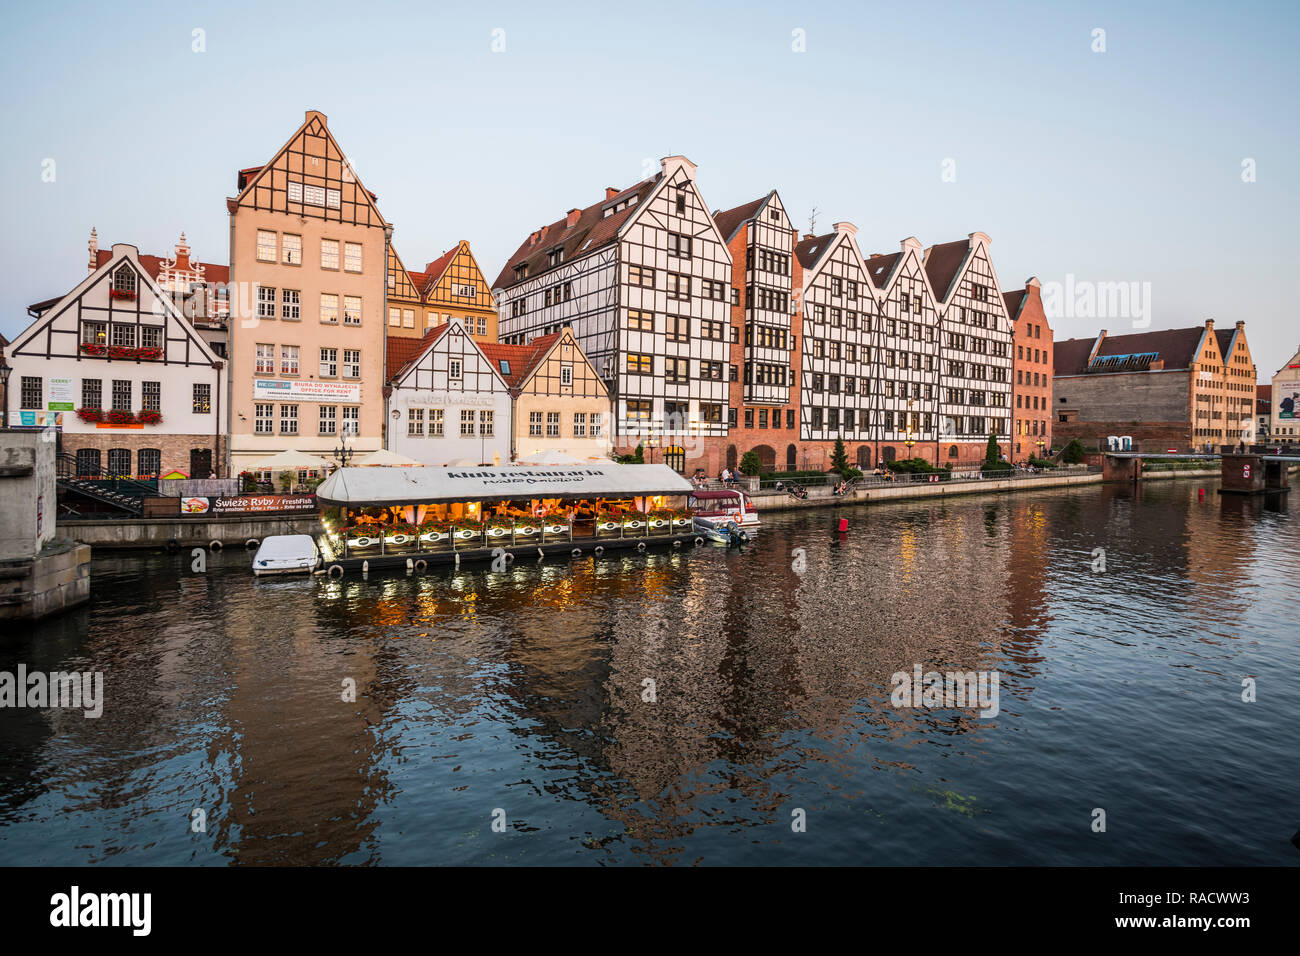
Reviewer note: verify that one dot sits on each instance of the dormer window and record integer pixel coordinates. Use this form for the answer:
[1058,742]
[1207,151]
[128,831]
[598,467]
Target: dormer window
[521,271]
[505,366]
[556,255]
[123,283]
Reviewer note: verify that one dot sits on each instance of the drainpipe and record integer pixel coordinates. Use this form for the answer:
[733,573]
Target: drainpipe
[385,428]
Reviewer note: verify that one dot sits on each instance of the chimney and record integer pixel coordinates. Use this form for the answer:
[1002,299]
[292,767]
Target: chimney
[1240,325]
[1209,324]
[532,237]
[611,192]
[913,243]
[93,245]
[572,219]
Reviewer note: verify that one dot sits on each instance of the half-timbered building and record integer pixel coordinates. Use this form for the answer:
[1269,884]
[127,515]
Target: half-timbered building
[559,402]
[309,266]
[124,379]
[976,349]
[643,279]
[450,287]
[448,402]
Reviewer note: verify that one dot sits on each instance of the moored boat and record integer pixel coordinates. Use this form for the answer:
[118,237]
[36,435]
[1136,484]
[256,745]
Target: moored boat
[286,554]
[726,504]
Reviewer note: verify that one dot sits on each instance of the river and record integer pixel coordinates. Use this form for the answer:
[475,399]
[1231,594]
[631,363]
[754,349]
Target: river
[695,706]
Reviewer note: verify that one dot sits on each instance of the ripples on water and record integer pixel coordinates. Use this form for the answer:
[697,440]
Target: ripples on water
[523,691]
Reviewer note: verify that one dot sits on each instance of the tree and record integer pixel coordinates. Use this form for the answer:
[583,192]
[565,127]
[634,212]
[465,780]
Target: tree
[840,458]
[1073,453]
[749,463]
[991,455]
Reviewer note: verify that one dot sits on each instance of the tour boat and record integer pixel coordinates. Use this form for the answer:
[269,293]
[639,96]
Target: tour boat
[418,517]
[724,505]
[286,554]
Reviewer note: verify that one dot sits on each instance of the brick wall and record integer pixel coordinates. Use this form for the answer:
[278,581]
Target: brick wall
[175,449]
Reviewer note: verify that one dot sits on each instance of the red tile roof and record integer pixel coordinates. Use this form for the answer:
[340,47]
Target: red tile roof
[212,272]
[403,350]
[730,220]
[592,230]
[522,359]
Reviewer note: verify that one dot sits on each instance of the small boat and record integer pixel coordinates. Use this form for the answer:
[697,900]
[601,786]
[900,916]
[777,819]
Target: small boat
[721,531]
[286,554]
[726,504]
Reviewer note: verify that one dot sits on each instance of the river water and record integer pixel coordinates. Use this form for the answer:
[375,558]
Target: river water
[695,706]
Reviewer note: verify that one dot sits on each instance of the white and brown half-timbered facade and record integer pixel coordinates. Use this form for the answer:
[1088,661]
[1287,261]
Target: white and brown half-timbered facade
[447,402]
[643,279]
[123,377]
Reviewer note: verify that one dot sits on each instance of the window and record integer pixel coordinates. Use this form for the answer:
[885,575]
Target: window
[711,413]
[639,363]
[466,423]
[638,410]
[395,318]
[435,423]
[351,257]
[408,318]
[288,360]
[677,328]
[679,245]
[734,374]
[486,423]
[123,335]
[265,303]
[789,418]
[94,333]
[329,308]
[329,365]
[749,418]
[555,256]
[552,424]
[641,275]
[641,321]
[202,398]
[681,203]
[263,415]
[482,320]
[150,462]
[415,422]
[454,369]
[151,336]
[566,374]
[713,289]
[124,282]
[352,310]
[265,246]
[328,419]
[92,393]
[151,396]
[265,359]
[288,419]
[351,363]
[596,424]
[579,424]
[290,304]
[291,249]
[32,391]
[679,286]
[121,395]
[333,199]
[119,462]
[711,371]
[711,330]
[295,192]
[329,253]
[535,424]
[677,370]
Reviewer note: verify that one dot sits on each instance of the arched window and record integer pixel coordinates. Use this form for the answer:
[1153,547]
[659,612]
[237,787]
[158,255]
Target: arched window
[791,458]
[119,462]
[888,453]
[864,457]
[124,282]
[149,462]
[731,456]
[675,458]
[766,458]
[88,462]
[952,451]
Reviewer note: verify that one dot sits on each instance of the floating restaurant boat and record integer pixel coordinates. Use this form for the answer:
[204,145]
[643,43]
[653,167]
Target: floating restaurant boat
[727,504]
[419,517]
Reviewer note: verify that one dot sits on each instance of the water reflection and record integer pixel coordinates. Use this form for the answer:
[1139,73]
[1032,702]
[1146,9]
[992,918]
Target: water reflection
[678,706]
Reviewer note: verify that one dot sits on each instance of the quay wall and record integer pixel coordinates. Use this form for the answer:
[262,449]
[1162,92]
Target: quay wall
[822,498]
[131,533]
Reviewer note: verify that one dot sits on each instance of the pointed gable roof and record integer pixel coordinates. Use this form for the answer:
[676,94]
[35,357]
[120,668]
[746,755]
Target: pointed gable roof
[730,220]
[404,350]
[1176,348]
[810,249]
[591,229]
[1015,300]
[943,263]
[212,271]
[881,266]
[522,359]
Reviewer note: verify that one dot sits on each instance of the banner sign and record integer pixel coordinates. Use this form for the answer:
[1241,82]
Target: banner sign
[248,504]
[306,391]
[62,395]
[1286,395]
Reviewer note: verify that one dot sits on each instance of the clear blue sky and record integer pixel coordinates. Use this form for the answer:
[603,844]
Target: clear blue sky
[1122,165]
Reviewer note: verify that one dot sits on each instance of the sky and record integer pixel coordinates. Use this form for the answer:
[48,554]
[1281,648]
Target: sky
[1161,152]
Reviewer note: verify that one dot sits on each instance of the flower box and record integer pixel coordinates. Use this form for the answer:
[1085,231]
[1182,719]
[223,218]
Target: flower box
[607,526]
[121,294]
[119,417]
[363,541]
[497,532]
[90,415]
[526,529]
[557,529]
[683,521]
[94,348]
[634,523]
[433,537]
[464,534]
[399,539]
[147,417]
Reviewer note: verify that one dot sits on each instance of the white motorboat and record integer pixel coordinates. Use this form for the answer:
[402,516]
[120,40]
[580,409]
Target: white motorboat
[286,554]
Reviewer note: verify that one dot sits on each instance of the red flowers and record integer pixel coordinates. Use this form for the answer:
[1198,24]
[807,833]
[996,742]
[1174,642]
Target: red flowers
[148,417]
[117,416]
[150,354]
[121,294]
[90,416]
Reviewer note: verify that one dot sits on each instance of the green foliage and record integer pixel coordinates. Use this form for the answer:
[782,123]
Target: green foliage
[1073,453]
[1042,462]
[992,457]
[749,464]
[288,478]
[917,466]
[636,458]
[839,457]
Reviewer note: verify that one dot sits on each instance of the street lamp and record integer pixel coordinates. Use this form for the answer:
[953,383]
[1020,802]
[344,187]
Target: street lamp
[343,454]
[4,388]
[1040,444]
[652,442]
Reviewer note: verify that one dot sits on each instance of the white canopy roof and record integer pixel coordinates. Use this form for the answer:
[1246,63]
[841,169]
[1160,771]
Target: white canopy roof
[357,487]
[549,456]
[382,456]
[292,459]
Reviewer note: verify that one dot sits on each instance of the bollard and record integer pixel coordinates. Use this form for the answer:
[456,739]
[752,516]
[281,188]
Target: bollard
[844,525]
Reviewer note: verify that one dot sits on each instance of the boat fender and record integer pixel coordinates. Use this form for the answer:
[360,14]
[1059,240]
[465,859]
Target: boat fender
[640,545]
[172,544]
[698,541]
[336,567]
[214,545]
[510,558]
[251,543]
[365,567]
[457,557]
[600,549]
[677,544]
[421,565]
[576,551]
[410,565]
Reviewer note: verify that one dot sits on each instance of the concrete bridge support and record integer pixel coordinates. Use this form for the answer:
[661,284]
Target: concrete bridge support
[1114,468]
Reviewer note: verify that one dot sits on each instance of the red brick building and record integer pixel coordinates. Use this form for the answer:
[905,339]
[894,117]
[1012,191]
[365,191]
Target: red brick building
[1032,364]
